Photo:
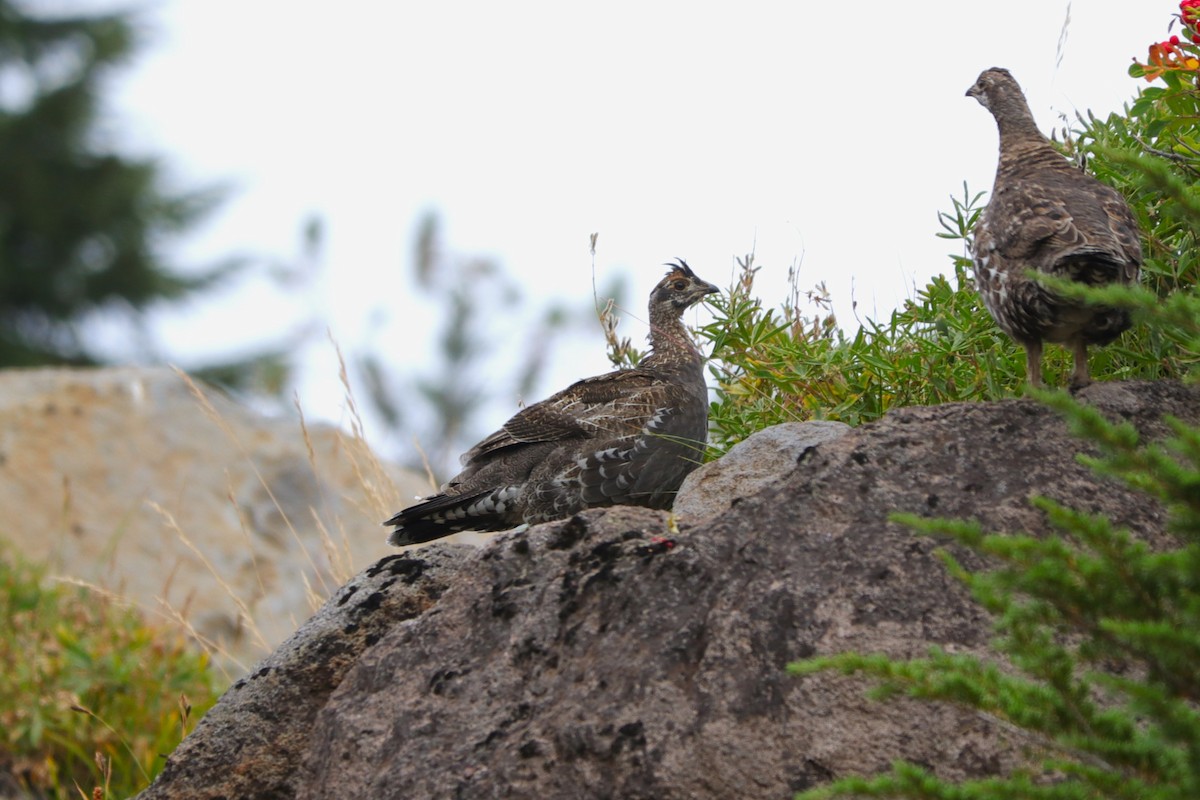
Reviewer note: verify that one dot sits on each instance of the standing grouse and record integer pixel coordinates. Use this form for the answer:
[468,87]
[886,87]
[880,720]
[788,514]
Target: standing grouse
[628,437]
[1046,215]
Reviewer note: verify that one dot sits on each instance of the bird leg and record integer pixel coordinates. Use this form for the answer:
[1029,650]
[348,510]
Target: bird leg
[1033,363]
[1079,376]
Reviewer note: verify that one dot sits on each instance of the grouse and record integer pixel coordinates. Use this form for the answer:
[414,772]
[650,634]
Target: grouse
[1046,215]
[628,437]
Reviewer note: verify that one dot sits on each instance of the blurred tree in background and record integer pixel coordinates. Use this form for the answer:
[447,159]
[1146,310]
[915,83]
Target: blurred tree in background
[82,227]
[438,415]
[84,230]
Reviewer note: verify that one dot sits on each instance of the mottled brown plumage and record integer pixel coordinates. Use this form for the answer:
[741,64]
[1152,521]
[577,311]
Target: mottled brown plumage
[1047,215]
[628,437]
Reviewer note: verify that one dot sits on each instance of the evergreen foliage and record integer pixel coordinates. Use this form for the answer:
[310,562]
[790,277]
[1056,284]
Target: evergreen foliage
[81,227]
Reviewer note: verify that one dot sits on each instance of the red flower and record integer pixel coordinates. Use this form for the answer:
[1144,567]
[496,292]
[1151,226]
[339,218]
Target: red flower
[1189,14]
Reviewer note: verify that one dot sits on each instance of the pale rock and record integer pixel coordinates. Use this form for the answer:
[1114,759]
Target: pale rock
[202,511]
[761,460]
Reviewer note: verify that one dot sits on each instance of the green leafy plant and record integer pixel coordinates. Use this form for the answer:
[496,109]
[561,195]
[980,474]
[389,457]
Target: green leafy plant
[91,696]
[791,364]
[784,365]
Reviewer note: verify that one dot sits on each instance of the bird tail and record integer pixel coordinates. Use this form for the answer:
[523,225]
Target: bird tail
[444,514]
[1096,266]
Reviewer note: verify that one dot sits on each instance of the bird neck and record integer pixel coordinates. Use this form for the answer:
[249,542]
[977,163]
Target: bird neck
[1017,126]
[670,343]
[1023,148]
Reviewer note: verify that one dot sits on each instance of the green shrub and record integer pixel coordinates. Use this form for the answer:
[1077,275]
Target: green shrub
[784,365]
[91,696]
[788,364]
[781,365]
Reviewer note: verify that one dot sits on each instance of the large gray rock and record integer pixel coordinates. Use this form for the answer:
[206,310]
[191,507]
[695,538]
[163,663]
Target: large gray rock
[607,657]
[203,511]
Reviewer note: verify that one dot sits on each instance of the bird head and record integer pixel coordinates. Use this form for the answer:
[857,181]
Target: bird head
[993,87]
[680,289]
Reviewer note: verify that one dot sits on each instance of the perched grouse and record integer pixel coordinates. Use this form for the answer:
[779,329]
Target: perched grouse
[628,437]
[1047,215]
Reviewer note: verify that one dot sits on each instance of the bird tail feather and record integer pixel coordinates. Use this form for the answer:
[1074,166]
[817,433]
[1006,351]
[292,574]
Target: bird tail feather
[444,514]
[1093,266]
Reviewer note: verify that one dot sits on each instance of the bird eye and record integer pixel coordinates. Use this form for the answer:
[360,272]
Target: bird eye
[680,285]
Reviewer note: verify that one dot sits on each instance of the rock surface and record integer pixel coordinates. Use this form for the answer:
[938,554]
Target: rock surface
[121,478]
[270,712]
[589,659]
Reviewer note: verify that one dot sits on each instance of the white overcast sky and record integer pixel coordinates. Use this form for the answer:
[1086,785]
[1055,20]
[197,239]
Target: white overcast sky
[827,132]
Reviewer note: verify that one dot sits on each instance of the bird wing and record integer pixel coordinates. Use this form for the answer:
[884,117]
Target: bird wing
[1064,214]
[585,409]
[1023,223]
[1125,229]
[647,466]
